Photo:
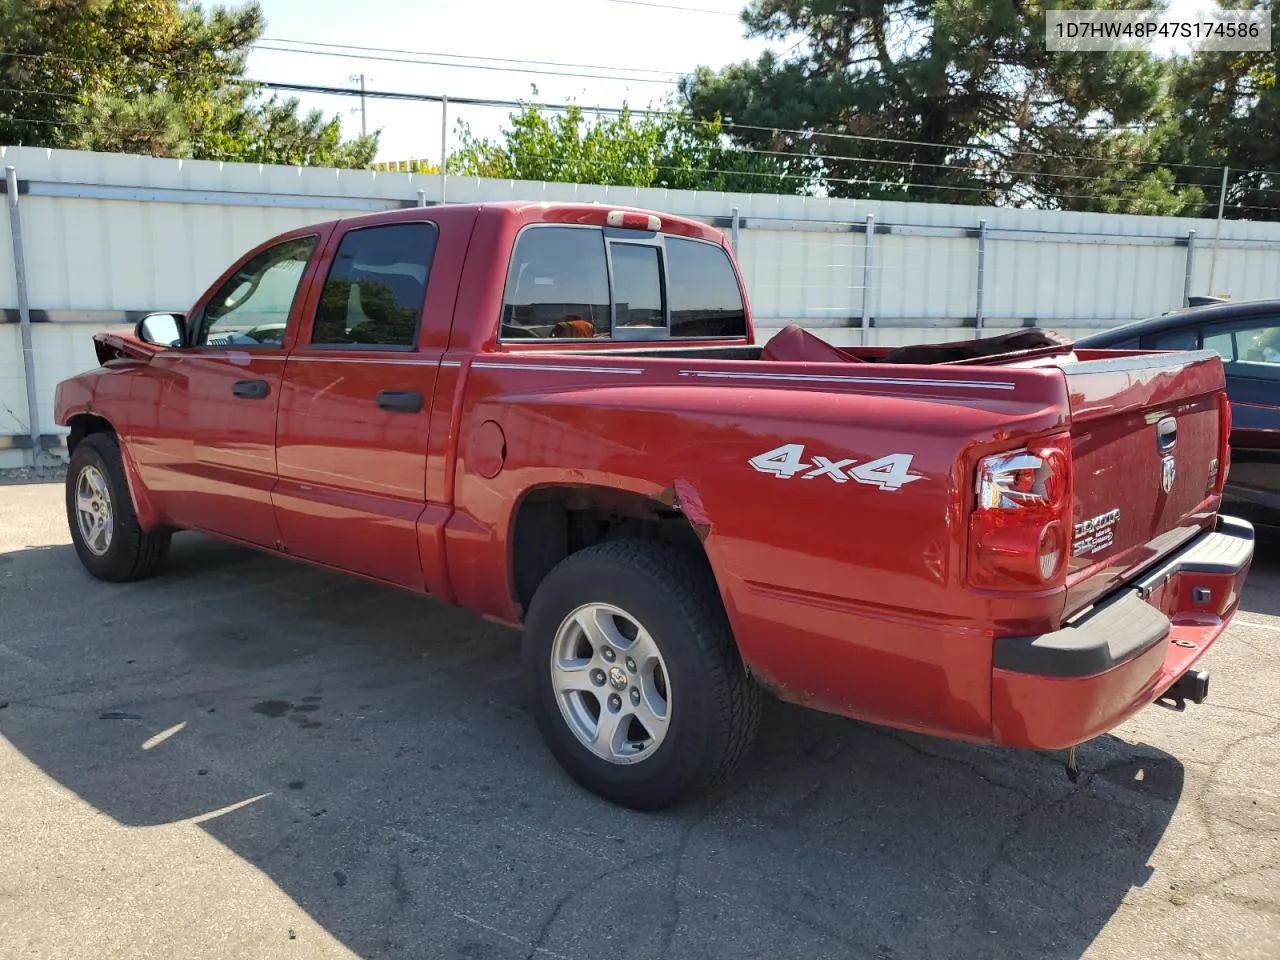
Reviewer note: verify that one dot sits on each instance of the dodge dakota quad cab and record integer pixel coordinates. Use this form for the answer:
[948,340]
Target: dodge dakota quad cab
[557,416]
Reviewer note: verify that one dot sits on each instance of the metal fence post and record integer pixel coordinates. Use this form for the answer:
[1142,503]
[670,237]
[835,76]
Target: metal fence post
[736,226]
[422,198]
[24,314]
[982,268]
[868,261]
[1186,279]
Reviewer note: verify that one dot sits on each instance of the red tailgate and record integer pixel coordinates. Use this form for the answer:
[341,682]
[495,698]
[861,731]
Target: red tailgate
[1148,449]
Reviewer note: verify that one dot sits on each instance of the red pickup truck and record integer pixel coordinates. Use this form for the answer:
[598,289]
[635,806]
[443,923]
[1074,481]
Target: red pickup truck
[557,416]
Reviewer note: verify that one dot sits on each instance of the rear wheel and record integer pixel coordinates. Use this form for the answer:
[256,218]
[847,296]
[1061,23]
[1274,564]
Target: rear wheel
[104,527]
[636,684]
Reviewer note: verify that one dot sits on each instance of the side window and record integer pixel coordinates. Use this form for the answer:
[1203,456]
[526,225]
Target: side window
[373,296]
[252,307]
[1172,340]
[704,294]
[557,284]
[1249,348]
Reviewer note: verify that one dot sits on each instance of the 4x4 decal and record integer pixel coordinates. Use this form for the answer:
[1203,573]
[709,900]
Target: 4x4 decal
[890,472]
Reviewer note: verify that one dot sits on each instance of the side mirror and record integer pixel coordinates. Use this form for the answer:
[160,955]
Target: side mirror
[161,329]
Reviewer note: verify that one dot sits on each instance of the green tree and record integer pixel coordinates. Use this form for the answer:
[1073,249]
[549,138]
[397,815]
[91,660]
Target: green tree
[1225,113]
[162,77]
[650,149]
[869,88]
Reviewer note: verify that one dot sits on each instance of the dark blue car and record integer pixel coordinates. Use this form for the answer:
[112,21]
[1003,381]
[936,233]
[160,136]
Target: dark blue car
[1247,337]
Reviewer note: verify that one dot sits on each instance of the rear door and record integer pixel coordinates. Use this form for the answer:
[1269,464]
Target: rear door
[208,457]
[356,399]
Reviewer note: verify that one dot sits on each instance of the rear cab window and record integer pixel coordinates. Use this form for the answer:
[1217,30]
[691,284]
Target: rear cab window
[580,282]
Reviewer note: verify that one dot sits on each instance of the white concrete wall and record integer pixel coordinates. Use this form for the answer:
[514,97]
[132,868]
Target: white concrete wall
[145,250]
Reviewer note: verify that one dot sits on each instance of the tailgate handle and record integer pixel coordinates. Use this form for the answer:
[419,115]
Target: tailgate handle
[1166,434]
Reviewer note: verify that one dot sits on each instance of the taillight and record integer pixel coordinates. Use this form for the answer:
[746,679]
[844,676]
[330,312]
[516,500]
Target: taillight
[1019,532]
[1224,440]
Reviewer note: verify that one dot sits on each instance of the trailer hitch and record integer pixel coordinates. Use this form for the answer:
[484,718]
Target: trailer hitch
[1192,685]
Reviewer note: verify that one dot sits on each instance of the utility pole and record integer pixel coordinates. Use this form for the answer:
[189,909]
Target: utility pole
[444,146]
[364,119]
[1213,255]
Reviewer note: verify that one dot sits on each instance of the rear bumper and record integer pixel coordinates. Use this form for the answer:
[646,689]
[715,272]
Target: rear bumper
[1058,689]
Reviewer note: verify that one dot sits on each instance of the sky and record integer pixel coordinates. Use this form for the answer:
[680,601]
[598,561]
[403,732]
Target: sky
[648,42]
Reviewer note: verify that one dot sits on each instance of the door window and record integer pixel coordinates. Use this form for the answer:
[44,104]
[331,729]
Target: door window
[1247,348]
[252,307]
[373,296]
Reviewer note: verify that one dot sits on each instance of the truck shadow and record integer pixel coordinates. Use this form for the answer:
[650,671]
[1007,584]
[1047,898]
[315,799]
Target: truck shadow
[402,797]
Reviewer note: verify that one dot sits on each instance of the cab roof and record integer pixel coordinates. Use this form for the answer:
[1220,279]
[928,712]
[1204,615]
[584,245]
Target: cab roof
[549,211]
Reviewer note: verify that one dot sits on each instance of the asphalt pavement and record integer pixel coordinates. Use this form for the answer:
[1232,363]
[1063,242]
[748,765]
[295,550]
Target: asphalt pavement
[249,758]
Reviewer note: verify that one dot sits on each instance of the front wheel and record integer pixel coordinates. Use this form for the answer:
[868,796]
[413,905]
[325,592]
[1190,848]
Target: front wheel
[636,683]
[104,527]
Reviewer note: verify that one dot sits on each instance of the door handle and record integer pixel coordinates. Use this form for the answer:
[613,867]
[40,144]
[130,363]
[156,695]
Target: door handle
[400,401]
[251,389]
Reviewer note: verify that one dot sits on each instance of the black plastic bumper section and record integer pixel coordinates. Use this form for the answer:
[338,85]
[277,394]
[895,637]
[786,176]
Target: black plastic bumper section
[1124,625]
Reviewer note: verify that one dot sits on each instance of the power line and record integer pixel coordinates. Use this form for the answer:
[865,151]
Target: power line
[470,56]
[40,93]
[914,163]
[731,124]
[468,66]
[399,95]
[261,43]
[672,6]
[132,129]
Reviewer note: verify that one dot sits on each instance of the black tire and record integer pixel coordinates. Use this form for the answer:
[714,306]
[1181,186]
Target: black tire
[715,705]
[131,552]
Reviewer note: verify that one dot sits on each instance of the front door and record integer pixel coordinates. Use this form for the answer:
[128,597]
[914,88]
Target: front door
[355,407]
[212,462]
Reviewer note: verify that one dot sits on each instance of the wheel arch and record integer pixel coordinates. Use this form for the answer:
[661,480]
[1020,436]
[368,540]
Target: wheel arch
[553,521]
[83,424]
[86,424]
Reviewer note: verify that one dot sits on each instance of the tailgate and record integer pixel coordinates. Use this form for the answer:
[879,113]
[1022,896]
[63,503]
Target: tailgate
[1147,438]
